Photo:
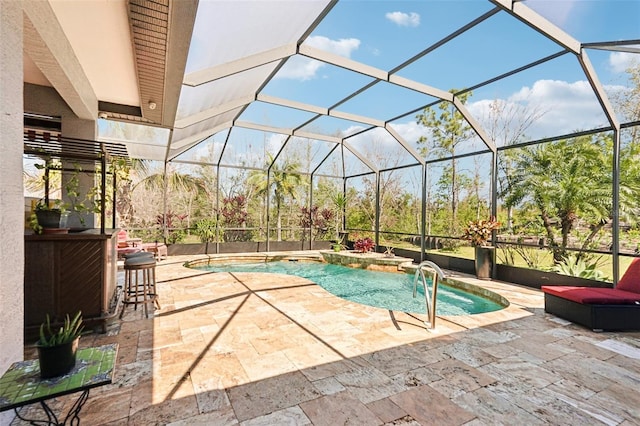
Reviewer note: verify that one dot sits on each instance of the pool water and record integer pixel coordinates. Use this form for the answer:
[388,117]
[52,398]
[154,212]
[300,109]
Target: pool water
[387,290]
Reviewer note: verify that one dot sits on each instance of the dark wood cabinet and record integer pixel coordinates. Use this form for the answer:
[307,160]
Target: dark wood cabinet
[65,273]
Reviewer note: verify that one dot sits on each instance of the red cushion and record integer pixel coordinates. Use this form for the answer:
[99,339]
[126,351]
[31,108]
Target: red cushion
[630,281]
[594,295]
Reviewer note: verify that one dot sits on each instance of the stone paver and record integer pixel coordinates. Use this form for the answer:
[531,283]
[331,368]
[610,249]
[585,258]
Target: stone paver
[260,349]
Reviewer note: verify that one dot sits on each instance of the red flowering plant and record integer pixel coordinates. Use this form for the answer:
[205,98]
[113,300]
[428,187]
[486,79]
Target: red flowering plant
[478,232]
[364,245]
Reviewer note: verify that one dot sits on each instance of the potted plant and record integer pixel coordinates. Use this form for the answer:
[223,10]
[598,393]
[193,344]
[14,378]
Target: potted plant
[50,215]
[479,233]
[57,348]
[388,252]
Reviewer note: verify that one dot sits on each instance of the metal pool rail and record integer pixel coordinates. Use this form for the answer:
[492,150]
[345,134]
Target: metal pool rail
[431,301]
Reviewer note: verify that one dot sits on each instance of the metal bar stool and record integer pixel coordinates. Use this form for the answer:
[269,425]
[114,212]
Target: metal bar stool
[140,282]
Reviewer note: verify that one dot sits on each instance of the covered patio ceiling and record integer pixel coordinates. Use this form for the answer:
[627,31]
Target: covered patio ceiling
[200,81]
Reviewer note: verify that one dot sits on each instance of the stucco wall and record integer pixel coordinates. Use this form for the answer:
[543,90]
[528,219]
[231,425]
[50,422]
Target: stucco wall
[11,193]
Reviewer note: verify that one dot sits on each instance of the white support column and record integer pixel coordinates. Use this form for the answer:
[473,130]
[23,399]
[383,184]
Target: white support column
[74,127]
[11,190]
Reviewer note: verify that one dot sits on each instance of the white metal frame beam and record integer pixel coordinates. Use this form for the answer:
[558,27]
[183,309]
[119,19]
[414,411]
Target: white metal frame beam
[311,135]
[474,124]
[599,91]
[342,62]
[360,157]
[263,127]
[411,150]
[629,46]
[419,87]
[292,104]
[256,60]
[539,23]
[212,112]
[193,140]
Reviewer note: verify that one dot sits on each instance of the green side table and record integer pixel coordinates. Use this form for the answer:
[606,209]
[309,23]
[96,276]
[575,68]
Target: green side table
[21,385]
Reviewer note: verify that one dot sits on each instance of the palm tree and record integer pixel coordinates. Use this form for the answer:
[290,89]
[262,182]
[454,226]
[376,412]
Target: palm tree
[182,183]
[567,181]
[340,202]
[283,179]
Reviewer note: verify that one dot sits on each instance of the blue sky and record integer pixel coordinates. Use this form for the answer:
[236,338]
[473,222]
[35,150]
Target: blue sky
[387,33]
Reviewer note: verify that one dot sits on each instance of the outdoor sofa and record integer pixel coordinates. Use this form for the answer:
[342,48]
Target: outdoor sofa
[599,308]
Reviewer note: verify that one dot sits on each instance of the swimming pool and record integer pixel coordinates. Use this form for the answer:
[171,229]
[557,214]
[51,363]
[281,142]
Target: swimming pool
[387,290]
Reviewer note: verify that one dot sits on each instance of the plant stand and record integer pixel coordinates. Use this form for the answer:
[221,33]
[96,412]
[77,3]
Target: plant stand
[21,385]
[484,261]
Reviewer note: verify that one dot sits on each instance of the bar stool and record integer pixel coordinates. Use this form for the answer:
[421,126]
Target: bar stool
[138,254]
[140,282]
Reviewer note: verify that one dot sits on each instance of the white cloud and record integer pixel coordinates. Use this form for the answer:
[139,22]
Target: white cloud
[564,107]
[621,61]
[350,130]
[376,136]
[410,131]
[274,142]
[207,151]
[404,19]
[343,47]
[301,68]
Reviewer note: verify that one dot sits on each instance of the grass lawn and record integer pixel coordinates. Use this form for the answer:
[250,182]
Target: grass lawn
[544,259]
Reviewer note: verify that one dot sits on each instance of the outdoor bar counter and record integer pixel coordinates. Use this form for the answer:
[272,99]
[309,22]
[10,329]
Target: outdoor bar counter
[65,273]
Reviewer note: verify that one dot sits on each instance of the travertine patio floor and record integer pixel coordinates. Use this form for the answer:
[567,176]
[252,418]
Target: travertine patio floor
[260,349]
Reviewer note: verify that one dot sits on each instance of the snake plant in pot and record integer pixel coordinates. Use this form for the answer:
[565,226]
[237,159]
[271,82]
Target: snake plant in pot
[57,347]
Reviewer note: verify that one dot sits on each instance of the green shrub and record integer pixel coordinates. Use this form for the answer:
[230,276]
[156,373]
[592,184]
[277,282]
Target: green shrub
[205,229]
[578,267]
[450,245]
[176,236]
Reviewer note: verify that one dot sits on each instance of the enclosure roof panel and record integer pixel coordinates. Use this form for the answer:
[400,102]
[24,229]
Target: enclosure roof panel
[328,70]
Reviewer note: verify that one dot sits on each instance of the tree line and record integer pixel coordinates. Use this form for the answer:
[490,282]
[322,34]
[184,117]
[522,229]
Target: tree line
[559,191]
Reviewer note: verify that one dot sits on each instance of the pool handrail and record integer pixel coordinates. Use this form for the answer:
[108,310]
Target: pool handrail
[430,301]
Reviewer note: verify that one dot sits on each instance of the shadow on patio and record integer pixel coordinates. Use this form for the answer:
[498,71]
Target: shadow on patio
[273,349]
